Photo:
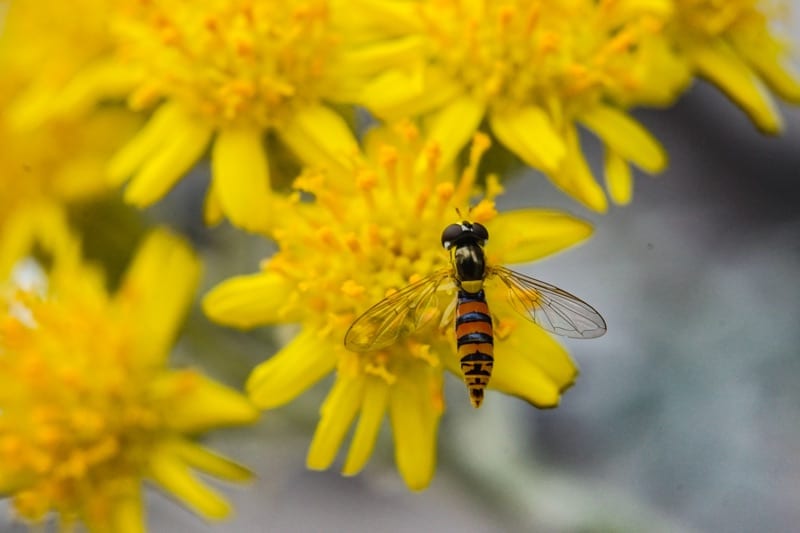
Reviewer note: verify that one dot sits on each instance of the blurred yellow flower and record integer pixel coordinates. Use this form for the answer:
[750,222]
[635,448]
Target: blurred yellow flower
[62,160]
[88,410]
[222,74]
[364,235]
[533,71]
[733,44]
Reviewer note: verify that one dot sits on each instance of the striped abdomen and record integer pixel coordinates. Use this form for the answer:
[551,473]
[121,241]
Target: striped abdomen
[475,342]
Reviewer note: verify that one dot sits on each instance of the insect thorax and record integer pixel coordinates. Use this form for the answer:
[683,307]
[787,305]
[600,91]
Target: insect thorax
[470,266]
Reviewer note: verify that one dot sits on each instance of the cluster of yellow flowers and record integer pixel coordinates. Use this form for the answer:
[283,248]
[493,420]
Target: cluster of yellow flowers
[88,408]
[100,95]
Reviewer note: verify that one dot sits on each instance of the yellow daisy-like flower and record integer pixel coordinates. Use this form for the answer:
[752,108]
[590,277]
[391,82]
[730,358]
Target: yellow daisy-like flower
[534,71]
[732,44]
[365,235]
[222,74]
[88,410]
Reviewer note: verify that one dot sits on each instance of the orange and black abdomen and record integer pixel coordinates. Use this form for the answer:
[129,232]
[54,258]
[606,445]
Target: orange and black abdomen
[475,342]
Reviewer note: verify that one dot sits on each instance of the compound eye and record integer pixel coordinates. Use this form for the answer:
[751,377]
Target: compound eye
[450,234]
[480,231]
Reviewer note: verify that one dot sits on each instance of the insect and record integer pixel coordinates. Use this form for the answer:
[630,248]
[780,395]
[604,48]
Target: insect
[409,309]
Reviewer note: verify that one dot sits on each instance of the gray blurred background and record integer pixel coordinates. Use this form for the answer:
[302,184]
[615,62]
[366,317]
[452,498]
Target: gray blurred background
[686,416]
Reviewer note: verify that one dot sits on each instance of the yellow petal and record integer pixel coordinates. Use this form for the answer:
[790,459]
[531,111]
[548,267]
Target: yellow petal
[376,20]
[382,55]
[663,77]
[576,179]
[623,12]
[397,93]
[619,181]
[318,136]
[769,57]
[169,472]
[782,78]
[517,377]
[249,301]
[373,408]
[43,225]
[202,404]
[529,133]
[185,141]
[299,364]
[337,414]
[212,207]
[86,175]
[203,459]
[240,173]
[98,82]
[12,482]
[415,405]
[159,288]
[128,514]
[626,137]
[717,62]
[528,234]
[451,128]
[145,143]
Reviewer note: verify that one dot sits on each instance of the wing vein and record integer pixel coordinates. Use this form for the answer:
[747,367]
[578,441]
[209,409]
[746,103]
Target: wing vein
[551,308]
[396,316]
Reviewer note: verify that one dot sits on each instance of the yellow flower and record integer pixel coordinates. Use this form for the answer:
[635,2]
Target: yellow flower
[732,44]
[61,160]
[88,410]
[533,71]
[56,158]
[362,237]
[222,74]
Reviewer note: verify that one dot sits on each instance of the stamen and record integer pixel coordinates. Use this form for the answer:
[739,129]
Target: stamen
[379,369]
[387,158]
[484,211]
[327,236]
[366,180]
[352,289]
[423,353]
[480,143]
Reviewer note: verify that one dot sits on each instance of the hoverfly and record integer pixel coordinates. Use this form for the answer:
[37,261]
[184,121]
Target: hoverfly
[405,311]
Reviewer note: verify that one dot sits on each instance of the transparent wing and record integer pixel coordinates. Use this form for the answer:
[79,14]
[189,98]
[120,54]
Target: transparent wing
[549,307]
[396,316]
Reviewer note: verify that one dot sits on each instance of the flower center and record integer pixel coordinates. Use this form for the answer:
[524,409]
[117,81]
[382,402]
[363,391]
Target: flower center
[230,60]
[377,237]
[518,52]
[74,417]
